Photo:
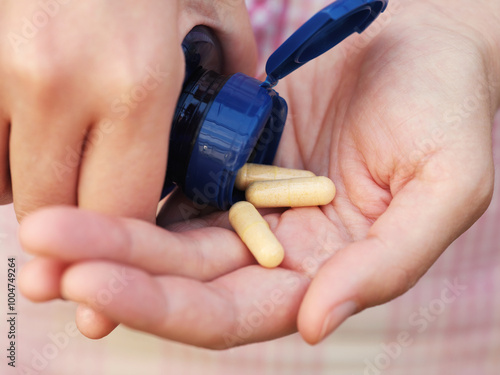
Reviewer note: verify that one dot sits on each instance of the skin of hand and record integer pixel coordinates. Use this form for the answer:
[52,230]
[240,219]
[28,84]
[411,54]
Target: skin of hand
[390,122]
[87,96]
[88,92]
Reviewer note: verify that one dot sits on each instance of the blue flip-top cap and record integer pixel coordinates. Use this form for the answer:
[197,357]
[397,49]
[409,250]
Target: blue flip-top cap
[223,122]
[322,32]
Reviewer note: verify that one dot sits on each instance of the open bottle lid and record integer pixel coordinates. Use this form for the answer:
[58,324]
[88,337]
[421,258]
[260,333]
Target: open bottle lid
[223,122]
[323,31]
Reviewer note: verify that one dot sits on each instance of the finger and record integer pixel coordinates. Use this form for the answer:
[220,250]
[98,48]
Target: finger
[73,235]
[231,24]
[125,159]
[93,324]
[239,48]
[48,129]
[39,279]
[421,221]
[252,304]
[124,163]
[45,157]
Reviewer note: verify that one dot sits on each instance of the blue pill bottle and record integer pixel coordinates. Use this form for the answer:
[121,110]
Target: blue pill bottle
[223,122]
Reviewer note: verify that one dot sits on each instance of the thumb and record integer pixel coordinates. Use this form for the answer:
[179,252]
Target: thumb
[420,223]
[236,37]
[230,21]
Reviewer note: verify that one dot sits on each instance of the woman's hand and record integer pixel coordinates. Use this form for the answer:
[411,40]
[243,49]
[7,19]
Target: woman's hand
[87,95]
[401,125]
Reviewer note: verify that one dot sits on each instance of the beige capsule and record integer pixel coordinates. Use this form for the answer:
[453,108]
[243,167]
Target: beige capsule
[297,192]
[256,234]
[257,172]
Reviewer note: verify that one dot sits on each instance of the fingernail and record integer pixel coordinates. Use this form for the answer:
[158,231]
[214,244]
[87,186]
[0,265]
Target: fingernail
[338,315]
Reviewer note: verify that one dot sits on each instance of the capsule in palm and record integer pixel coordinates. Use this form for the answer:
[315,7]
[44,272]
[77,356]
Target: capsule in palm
[256,234]
[296,192]
[250,173]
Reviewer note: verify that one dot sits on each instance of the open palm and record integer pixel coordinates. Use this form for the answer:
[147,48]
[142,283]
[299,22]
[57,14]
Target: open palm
[402,126]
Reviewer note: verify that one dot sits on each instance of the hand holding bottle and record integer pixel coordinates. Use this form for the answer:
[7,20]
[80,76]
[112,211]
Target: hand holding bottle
[87,96]
[411,174]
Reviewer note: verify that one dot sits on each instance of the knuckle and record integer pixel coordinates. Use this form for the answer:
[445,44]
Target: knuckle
[124,77]
[38,68]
